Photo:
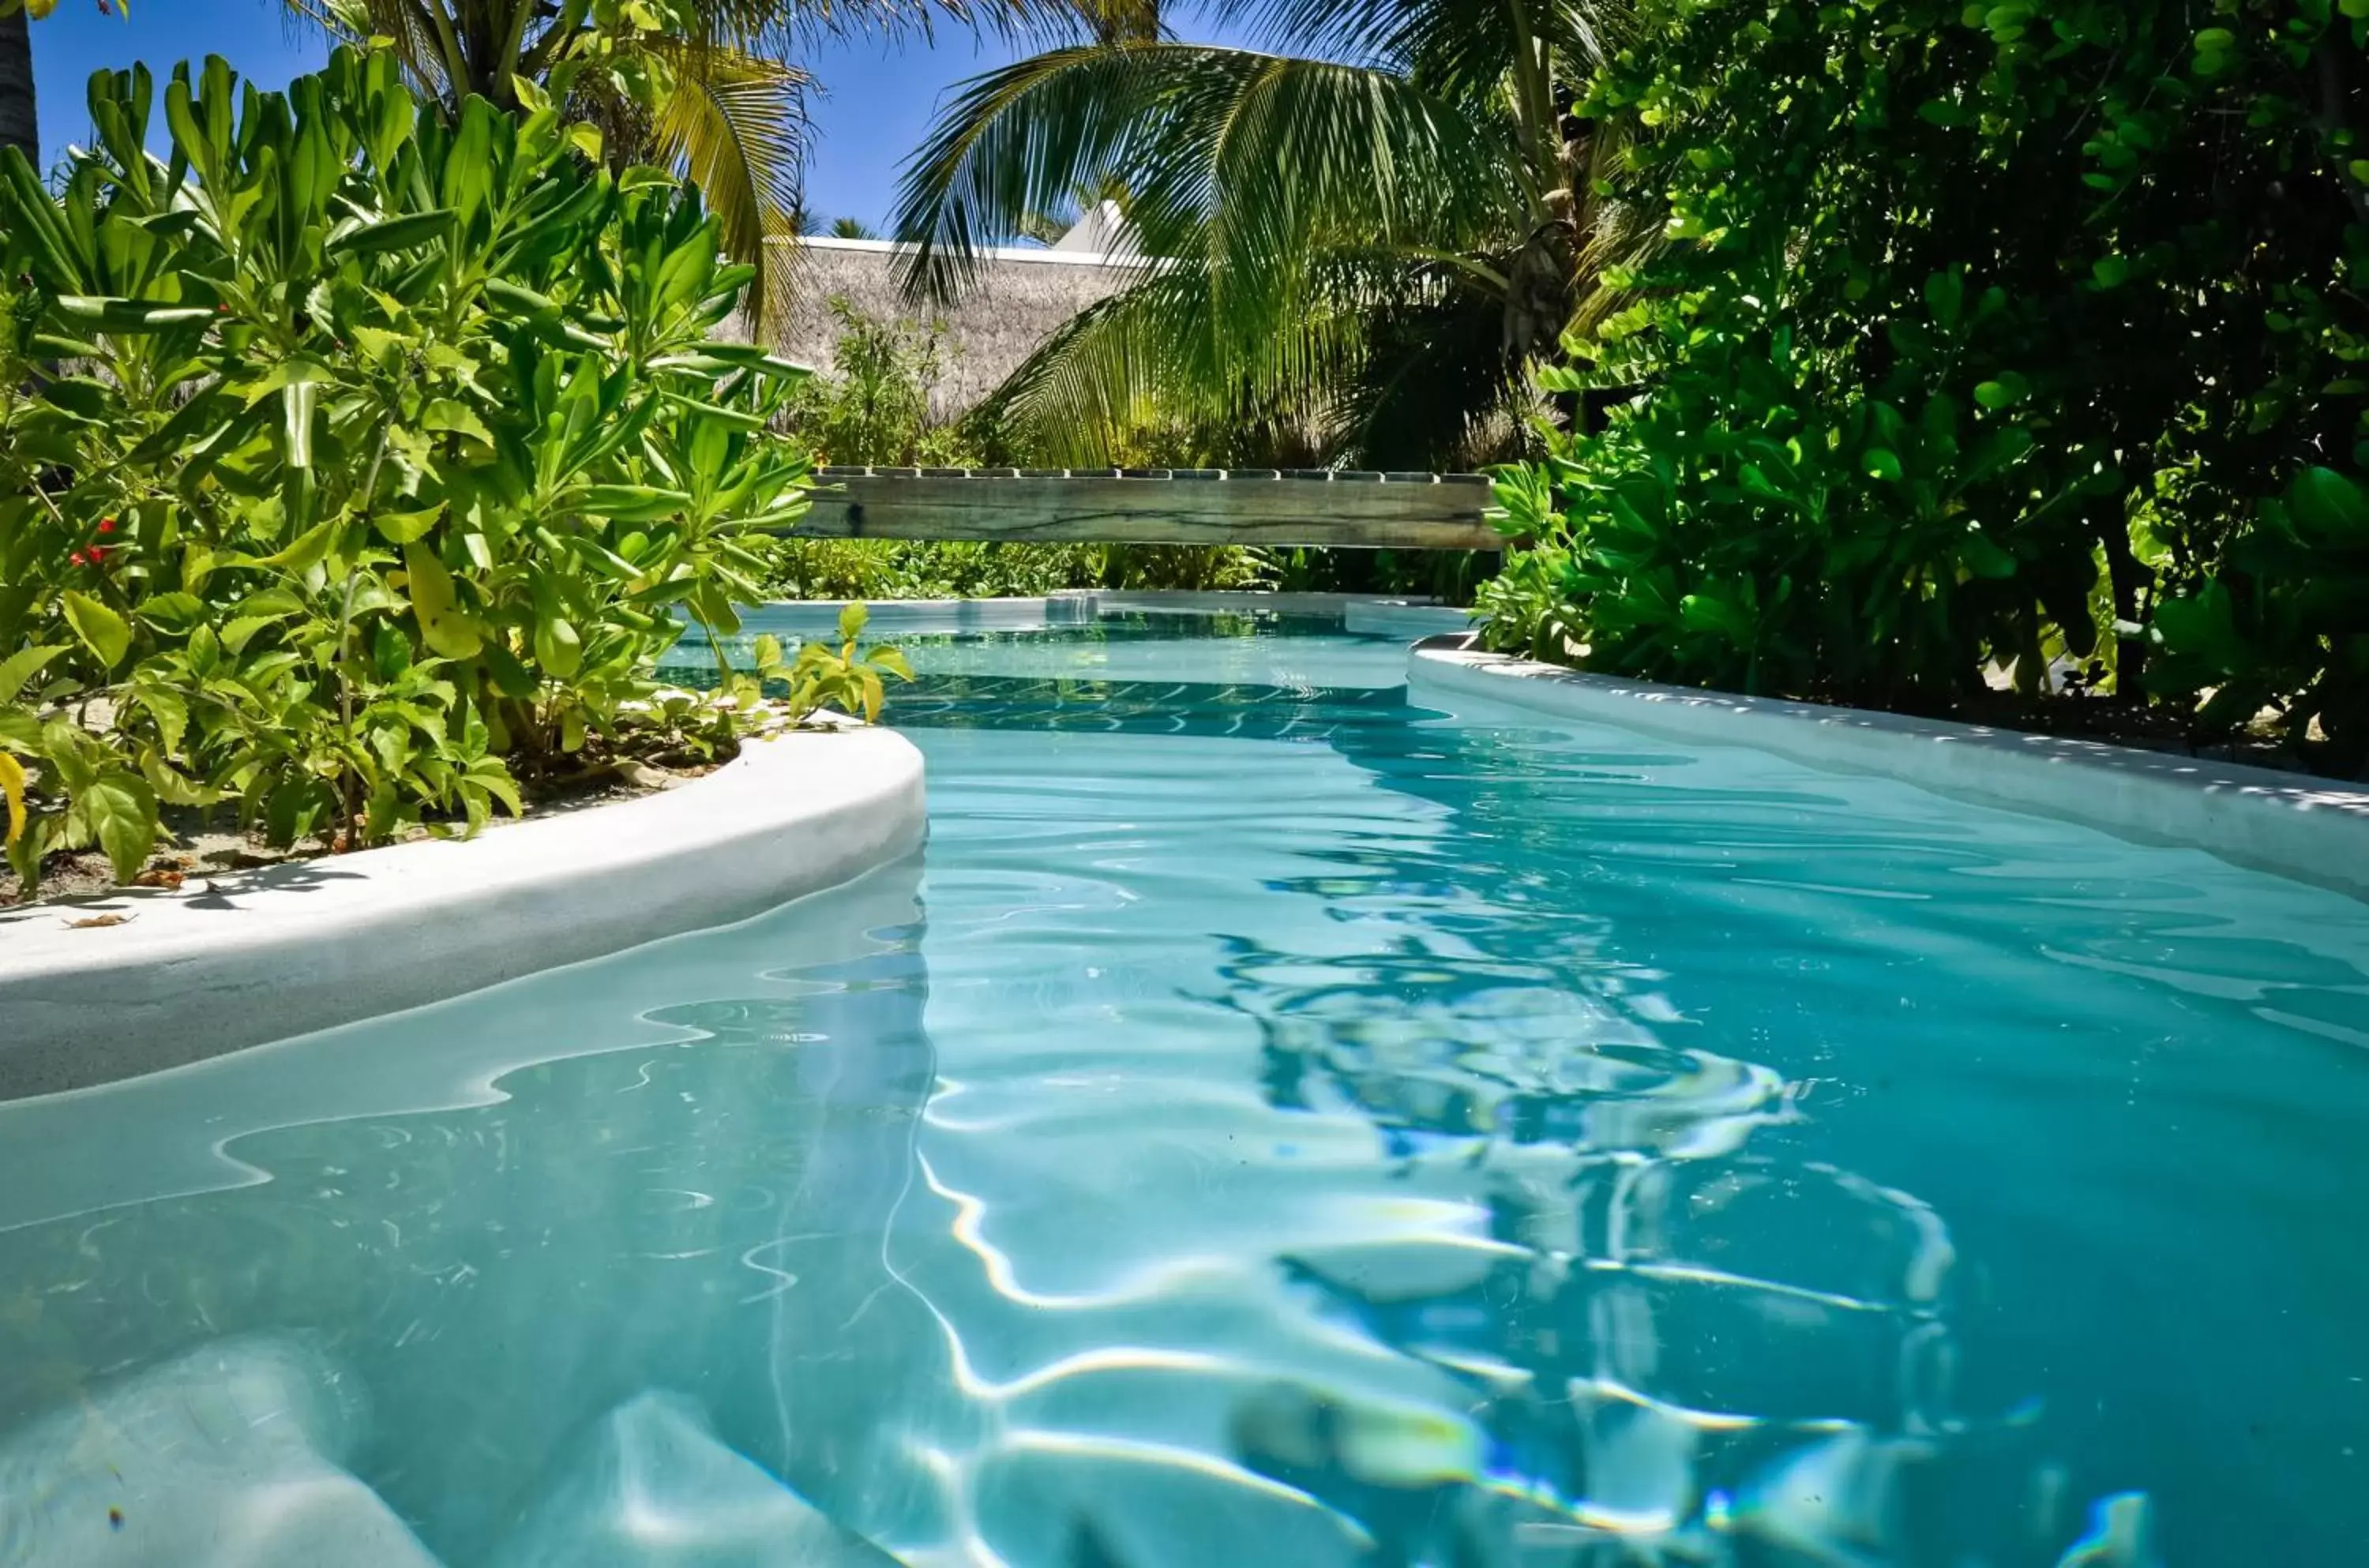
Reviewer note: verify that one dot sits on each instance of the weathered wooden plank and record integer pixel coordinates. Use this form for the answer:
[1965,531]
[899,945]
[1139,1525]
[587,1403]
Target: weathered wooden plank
[1156,506]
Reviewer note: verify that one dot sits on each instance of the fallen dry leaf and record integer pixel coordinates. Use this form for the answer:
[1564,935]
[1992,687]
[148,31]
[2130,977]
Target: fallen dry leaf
[97,922]
[160,877]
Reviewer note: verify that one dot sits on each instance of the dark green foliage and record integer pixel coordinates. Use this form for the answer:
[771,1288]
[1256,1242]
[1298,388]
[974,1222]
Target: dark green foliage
[1991,335]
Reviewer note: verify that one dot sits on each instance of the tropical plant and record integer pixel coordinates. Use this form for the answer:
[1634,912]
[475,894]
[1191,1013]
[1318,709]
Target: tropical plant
[2022,336]
[1366,253]
[699,86]
[685,84]
[845,677]
[351,460]
[874,405]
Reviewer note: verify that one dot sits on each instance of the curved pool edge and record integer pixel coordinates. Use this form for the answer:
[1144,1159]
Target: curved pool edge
[2293,825]
[256,957]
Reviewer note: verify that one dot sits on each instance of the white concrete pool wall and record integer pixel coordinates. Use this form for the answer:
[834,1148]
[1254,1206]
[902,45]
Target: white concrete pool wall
[2310,829]
[258,956]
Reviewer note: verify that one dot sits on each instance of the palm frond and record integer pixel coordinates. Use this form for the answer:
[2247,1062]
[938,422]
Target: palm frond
[417,44]
[737,125]
[1451,44]
[1156,358]
[786,26]
[1241,159]
[1434,387]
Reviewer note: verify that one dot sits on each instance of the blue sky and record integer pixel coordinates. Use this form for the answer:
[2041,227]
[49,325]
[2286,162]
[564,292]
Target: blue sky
[879,97]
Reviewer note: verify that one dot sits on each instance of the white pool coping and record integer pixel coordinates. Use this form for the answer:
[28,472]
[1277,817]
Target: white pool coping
[264,955]
[2295,826]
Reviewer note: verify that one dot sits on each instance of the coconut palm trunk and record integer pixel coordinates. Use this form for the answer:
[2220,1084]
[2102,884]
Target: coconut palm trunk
[20,126]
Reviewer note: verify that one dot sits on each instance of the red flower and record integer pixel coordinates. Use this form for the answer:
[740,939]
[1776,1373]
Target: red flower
[106,525]
[98,554]
[75,558]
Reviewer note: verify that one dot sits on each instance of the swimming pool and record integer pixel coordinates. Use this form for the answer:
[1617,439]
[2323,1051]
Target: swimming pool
[1270,1124]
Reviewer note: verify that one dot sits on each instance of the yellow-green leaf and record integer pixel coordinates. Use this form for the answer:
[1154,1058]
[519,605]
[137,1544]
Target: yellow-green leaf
[308,550]
[558,648]
[403,527]
[297,400]
[22,665]
[104,632]
[12,785]
[443,627]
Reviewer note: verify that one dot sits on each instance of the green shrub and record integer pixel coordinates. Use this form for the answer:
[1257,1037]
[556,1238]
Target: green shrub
[2003,335]
[351,459]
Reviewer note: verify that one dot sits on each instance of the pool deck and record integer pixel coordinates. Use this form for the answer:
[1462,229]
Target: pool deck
[2310,830]
[252,956]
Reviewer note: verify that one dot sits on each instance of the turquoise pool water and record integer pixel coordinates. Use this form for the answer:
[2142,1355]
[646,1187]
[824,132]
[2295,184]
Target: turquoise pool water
[1271,1124]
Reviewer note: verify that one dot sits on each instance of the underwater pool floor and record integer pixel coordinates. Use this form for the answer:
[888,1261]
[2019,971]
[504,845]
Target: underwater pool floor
[1270,1124]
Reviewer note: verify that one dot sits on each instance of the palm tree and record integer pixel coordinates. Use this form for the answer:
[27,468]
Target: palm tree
[696,85]
[20,123]
[1367,251]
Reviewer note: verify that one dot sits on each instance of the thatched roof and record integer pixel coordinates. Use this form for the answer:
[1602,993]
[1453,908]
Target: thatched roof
[1022,296]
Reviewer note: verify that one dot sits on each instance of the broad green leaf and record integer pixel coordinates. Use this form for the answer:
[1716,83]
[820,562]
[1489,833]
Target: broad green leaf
[512,678]
[308,550]
[403,527]
[733,417]
[297,400]
[518,297]
[171,714]
[629,503]
[119,809]
[558,647]
[2004,393]
[1945,294]
[452,416]
[394,234]
[1984,558]
[237,632]
[127,316]
[21,667]
[103,631]
[176,611]
[1882,463]
[2331,505]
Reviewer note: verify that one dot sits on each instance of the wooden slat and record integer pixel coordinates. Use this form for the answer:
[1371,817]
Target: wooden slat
[1425,511]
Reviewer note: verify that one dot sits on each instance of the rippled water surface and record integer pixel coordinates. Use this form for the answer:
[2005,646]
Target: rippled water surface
[1271,1125]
